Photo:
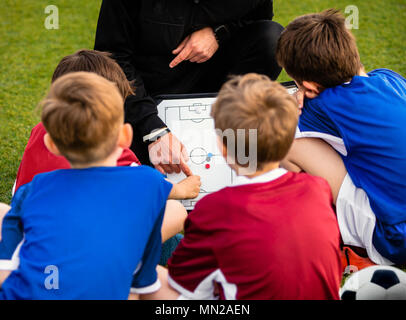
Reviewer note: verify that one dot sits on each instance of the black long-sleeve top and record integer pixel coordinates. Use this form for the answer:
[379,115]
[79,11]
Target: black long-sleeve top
[141,35]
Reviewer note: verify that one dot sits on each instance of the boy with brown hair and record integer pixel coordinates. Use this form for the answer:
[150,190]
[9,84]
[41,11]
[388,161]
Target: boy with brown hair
[38,159]
[78,224]
[352,131]
[273,234]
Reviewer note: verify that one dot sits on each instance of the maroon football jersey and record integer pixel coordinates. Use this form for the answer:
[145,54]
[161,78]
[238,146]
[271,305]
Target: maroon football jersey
[269,240]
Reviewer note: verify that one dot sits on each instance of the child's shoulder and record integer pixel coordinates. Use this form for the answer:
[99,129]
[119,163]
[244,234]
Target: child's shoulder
[139,169]
[20,195]
[211,208]
[383,72]
[363,91]
[38,130]
[389,82]
[214,199]
[98,175]
[144,174]
[376,81]
[229,196]
[292,186]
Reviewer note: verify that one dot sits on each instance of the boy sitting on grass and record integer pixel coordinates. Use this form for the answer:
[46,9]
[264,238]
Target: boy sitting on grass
[38,159]
[362,117]
[96,226]
[274,234]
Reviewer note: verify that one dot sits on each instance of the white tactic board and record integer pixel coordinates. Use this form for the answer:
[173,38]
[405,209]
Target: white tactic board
[188,117]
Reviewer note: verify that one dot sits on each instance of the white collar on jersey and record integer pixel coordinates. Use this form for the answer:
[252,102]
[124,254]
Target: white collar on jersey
[266,177]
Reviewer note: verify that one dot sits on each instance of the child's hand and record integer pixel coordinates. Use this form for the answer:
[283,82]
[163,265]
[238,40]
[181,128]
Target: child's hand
[190,187]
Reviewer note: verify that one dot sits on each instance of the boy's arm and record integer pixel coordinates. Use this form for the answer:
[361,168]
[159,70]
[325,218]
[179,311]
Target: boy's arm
[12,238]
[188,188]
[145,279]
[3,210]
[166,292]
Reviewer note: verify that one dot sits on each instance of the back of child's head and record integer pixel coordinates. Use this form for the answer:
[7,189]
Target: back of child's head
[83,113]
[255,102]
[319,48]
[98,62]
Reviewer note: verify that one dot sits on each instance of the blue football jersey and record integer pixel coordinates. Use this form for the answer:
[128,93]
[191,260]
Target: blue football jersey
[84,234]
[365,121]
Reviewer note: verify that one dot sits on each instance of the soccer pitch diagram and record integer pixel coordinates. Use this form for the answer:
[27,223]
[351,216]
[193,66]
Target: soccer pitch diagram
[190,121]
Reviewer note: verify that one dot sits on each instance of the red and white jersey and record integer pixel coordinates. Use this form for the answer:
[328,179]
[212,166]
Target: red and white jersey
[271,237]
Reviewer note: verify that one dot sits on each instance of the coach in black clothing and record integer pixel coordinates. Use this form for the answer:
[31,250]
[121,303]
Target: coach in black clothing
[183,46]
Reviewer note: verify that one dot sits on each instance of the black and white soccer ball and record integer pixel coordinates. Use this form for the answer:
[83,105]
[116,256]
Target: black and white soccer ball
[375,283]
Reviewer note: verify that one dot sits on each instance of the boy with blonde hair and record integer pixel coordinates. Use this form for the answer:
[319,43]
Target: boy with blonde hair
[72,233]
[352,132]
[273,234]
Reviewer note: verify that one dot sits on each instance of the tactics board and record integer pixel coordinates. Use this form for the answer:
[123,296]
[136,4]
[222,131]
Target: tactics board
[188,117]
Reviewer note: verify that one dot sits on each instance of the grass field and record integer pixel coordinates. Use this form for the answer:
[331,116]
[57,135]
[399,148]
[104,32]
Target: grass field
[29,53]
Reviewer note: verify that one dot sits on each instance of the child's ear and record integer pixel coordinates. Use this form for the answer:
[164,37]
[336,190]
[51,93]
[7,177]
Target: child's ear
[50,144]
[312,89]
[126,136]
[222,147]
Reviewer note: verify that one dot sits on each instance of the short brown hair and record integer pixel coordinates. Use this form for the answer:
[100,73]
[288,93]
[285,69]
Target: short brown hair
[254,101]
[98,62]
[319,48]
[83,113]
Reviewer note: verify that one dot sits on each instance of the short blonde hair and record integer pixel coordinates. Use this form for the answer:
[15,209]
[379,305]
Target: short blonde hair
[83,113]
[254,101]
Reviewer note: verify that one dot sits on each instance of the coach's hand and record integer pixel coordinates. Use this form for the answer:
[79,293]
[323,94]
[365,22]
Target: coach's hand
[199,47]
[169,155]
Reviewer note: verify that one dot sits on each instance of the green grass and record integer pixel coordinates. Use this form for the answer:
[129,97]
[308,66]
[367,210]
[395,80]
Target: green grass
[29,53]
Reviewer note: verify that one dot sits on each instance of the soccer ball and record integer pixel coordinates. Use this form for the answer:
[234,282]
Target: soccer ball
[375,283]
